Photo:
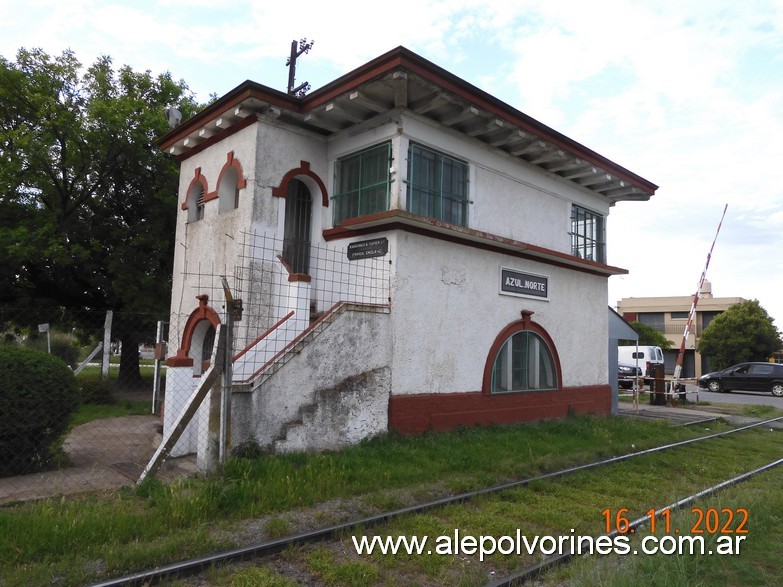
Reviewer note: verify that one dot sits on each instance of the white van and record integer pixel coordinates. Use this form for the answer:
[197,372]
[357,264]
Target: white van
[644,356]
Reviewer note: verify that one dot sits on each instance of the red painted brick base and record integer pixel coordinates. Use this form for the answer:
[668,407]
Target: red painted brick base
[414,414]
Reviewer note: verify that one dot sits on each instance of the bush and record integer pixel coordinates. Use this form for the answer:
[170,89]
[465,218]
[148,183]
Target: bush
[95,390]
[65,347]
[38,393]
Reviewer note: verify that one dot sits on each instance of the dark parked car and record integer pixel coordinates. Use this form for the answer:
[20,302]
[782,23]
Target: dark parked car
[746,377]
[626,375]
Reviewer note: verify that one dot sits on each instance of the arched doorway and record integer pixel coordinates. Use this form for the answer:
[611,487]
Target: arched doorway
[207,343]
[298,214]
[198,338]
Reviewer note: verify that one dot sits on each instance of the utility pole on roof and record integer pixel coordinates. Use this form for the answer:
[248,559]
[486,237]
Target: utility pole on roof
[296,50]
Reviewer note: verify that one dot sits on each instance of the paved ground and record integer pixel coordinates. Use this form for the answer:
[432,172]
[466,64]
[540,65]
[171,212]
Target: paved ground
[692,414]
[105,454]
[679,415]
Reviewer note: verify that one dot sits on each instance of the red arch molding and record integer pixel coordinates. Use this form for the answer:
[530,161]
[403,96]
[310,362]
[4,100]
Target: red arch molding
[203,312]
[281,191]
[526,323]
[232,162]
[197,179]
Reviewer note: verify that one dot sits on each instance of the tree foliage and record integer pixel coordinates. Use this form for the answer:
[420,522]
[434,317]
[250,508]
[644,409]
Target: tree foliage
[648,336]
[744,332]
[87,200]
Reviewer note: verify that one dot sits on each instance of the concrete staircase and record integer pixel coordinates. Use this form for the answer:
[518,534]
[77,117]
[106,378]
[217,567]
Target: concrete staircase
[338,416]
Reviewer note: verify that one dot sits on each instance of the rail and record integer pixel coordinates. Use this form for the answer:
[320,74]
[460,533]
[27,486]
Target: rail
[264,549]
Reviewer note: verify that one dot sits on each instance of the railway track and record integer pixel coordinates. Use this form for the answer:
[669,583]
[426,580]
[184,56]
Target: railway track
[533,571]
[254,552]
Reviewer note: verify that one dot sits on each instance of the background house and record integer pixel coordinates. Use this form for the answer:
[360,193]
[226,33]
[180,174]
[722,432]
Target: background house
[411,254]
[669,315]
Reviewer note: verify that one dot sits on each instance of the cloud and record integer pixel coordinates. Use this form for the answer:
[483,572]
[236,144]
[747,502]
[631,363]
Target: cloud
[686,94]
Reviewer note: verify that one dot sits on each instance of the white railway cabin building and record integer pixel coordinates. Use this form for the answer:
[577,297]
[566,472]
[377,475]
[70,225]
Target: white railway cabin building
[411,253]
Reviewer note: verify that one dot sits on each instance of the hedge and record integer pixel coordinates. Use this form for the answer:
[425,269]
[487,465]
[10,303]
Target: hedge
[38,393]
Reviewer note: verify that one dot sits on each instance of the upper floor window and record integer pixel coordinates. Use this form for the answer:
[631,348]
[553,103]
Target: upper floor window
[230,181]
[437,185]
[362,183]
[200,206]
[195,202]
[587,235]
[228,190]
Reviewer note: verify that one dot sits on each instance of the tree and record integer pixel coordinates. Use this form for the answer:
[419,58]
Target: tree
[744,332]
[648,336]
[87,201]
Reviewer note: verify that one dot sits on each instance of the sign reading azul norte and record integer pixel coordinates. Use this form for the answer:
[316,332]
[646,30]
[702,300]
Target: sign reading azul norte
[376,247]
[525,284]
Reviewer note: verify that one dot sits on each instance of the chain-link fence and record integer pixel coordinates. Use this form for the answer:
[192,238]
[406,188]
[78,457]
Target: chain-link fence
[277,315]
[104,438]
[126,406]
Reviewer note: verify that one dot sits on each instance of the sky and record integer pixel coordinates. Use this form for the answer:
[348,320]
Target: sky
[685,93]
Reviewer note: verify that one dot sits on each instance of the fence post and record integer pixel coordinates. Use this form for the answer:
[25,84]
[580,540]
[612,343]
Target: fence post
[209,449]
[45,328]
[194,401]
[233,311]
[106,345]
[160,355]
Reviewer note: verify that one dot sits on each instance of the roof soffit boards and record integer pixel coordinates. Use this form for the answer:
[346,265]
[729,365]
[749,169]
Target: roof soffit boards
[402,80]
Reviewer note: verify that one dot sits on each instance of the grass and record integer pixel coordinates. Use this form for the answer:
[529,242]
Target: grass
[126,407]
[756,563]
[576,507]
[94,371]
[760,411]
[70,541]
[115,360]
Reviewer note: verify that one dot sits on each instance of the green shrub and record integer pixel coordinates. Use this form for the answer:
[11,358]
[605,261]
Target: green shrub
[95,390]
[65,347]
[62,345]
[38,393]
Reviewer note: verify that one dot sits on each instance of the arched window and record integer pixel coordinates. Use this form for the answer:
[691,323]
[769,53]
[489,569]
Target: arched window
[198,338]
[196,196]
[296,244]
[523,363]
[230,181]
[228,190]
[523,358]
[195,202]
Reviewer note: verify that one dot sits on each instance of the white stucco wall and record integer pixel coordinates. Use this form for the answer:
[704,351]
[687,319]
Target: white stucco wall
[203,251]
[446,306]
[508,197]
[355,343]
[279,150]
[447,312]
[222,243]
[180,384]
